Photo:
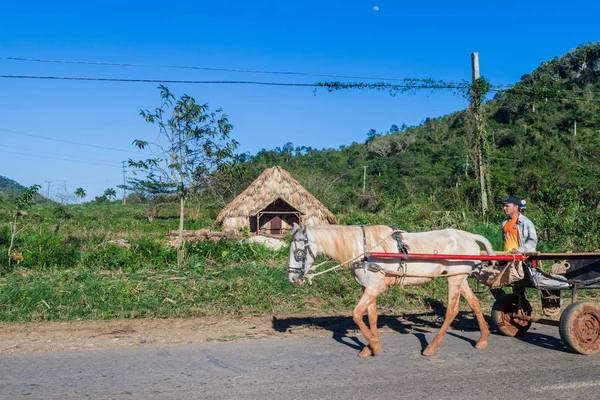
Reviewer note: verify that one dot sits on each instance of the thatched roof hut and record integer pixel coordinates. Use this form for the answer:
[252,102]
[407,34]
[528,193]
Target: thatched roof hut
[272,203]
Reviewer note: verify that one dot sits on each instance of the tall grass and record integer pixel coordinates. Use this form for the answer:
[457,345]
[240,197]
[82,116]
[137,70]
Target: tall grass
[74,264]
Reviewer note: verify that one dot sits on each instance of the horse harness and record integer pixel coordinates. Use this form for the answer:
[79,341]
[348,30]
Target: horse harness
[300,255]
[403,248]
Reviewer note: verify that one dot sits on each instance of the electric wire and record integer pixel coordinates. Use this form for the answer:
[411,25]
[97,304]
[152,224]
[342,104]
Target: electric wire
[497,87]
[198,68]
[68,141]
[325,85]
[56,154]
[58,158]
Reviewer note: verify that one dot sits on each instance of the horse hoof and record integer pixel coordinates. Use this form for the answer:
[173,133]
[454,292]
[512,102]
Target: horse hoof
[428,351]
[481,345]
[365,352]
[375,347]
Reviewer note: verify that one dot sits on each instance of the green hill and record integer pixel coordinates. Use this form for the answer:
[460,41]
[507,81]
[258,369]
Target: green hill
[9,188]
[544,141]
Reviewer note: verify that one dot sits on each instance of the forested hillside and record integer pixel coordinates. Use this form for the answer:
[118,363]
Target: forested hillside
[9,188]
[544,141]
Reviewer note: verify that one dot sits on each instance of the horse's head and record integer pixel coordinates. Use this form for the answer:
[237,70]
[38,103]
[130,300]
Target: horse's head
[302,254]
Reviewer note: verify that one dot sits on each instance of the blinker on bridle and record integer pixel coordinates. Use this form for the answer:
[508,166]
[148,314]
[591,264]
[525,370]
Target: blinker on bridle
[301,254]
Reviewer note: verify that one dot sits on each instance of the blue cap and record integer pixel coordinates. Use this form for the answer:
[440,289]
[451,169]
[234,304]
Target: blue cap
[512,200]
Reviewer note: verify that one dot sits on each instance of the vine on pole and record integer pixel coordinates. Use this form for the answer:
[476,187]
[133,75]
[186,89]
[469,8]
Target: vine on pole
[479,145]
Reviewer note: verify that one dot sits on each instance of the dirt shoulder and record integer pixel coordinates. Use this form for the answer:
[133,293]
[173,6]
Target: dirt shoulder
[93,335]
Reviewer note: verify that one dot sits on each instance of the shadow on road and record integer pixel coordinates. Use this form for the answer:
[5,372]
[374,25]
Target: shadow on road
[343,328]
[545,341]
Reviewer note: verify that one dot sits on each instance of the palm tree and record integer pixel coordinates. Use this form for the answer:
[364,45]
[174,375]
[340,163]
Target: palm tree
[80,193]
[110,193]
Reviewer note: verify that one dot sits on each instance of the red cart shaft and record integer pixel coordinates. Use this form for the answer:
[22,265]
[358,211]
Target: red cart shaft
[507,257]
[424,256]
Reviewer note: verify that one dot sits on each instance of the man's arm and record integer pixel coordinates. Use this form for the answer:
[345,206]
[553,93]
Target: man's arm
[530,239]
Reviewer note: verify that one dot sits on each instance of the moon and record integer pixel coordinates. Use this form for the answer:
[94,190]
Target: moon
[376,8]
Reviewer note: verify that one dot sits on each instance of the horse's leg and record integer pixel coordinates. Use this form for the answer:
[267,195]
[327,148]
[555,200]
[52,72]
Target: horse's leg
[372,314]
[367,303]
[473,301]
[454,288]
[366,351]
[375,343]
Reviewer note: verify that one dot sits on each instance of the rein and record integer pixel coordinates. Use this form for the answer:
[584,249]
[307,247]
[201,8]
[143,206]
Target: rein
[396,234]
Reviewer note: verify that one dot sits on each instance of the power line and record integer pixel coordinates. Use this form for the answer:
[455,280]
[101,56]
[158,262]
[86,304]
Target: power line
[55,154]
[198,68]
[67,141]
[328,85]
[73,78]
[443,85]
[499,87]
[57,158]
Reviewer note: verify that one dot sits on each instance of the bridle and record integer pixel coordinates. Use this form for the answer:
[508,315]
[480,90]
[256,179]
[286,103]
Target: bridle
[300,254]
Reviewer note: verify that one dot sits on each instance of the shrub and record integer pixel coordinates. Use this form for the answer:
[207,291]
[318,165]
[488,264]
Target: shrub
[43,250]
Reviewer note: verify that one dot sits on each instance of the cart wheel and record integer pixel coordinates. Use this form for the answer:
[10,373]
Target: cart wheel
[502,314]
[580,328]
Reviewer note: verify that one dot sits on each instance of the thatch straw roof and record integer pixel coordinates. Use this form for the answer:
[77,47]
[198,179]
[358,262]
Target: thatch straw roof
[274,183]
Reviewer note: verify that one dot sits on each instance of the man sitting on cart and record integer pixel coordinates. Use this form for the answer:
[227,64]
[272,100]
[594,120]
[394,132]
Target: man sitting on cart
[519,236]
[518,232]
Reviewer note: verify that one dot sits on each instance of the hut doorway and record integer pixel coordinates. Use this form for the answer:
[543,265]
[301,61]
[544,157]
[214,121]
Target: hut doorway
[276,219]
[276,225]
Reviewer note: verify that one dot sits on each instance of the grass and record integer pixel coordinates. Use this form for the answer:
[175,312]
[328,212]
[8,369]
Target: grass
[213,290]
[72,269]
[251,287]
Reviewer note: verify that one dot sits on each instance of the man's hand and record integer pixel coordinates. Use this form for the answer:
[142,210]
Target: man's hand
[515,251]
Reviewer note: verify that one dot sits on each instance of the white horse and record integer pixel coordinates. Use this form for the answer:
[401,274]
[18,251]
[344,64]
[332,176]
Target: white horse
[347,245]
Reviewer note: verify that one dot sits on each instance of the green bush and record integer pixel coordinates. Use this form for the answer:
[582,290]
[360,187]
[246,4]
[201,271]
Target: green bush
[149,252]
[230,251]
[144,252]
[107,256]
[43,250]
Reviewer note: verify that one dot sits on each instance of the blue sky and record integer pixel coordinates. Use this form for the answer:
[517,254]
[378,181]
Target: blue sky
[378,38]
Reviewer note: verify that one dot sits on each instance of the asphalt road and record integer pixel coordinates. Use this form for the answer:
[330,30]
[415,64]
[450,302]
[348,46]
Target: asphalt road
[537,367]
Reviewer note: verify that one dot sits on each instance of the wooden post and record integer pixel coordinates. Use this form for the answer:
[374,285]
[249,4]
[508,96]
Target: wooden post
[477,134]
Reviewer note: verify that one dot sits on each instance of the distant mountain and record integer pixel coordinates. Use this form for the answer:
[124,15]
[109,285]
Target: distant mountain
[10,189]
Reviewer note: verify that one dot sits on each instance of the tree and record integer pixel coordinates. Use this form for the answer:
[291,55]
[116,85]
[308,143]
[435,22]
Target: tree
[371,135]
[21,204]
[193,143]
[80,193]
[380,145]
[110,193]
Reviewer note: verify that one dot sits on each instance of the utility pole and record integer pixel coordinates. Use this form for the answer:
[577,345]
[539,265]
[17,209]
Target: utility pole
[574,128]
[475,65]
[467,167]
[124,182]
[477,132]
[48,186]
[364,178]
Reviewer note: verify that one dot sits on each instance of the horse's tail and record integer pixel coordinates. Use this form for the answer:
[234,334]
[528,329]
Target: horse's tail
[486,243]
